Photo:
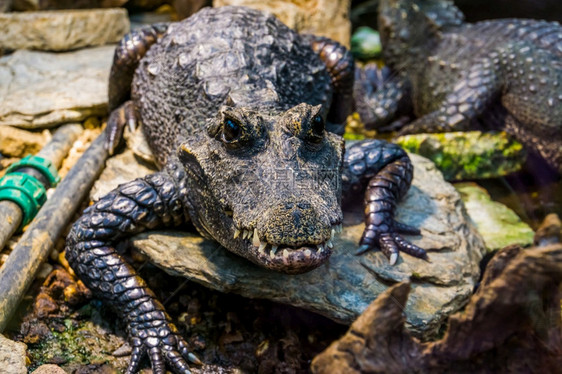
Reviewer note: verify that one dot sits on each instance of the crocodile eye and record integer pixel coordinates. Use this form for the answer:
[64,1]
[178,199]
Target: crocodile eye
[316,129]
[231,131]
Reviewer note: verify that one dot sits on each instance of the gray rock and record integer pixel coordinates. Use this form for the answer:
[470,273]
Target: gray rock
[136,141]
[498,225]
[42,89]
[5,5]
[120,169]
[12,356]
[62,30]
[343,287]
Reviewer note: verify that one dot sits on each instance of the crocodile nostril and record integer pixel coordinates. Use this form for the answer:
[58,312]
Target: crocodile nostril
[297,206]
[297,215]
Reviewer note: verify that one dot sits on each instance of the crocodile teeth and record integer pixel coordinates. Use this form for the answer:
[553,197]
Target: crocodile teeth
[330,244]
[340,228]
[307,252]
[256,239]
[332,234]
[261,249]
[320,248]
[393,258]
[236,233]
[274,249]
[286,254]
[272,253]
[246,234]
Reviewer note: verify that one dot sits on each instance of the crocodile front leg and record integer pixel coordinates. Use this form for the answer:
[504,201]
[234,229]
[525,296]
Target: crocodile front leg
[126,59]
[470,97]
[381,97]
[341,66]
[146,203]
[385,172]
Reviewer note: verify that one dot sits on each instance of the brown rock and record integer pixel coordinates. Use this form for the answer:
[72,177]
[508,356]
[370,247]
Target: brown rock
[511,324]
[62,30]
[6,162]
[147,4]
[49,369]
[320,17]
[20,143]
[59,287]
[27,5]
[34,331]
[44,305]
[185,8]
[549,232]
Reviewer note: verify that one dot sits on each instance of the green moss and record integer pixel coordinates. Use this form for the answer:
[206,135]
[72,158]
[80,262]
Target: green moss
[63,346]
[351,136]
[416,275]
[76,344]
[468,155]
[498,225]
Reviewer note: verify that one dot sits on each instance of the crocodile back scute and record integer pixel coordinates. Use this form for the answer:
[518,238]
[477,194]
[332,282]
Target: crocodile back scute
[237,54]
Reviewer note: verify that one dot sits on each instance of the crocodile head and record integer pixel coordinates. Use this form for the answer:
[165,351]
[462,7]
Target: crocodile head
[266,184]
[408,27]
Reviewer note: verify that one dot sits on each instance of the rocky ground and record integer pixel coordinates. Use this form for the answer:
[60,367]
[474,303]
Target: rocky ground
[236,317]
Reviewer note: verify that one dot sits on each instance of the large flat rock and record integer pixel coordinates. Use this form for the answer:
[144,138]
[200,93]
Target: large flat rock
[43,89]
[62,30]
[343,287]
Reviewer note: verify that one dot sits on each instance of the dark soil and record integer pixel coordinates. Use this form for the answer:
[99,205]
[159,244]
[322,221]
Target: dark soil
[63,325]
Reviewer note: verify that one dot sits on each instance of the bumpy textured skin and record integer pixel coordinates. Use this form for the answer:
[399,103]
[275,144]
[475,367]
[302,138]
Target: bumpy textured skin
[249,64]
[460,72]
[339,63]
[127,55]
[234,105]
[380,97]
[388,172]
[133,207]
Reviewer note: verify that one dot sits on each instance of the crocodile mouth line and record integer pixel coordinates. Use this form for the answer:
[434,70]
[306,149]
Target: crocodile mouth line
[280,255]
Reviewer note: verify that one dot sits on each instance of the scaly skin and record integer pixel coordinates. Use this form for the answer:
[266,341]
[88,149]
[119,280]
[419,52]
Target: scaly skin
[460,72]
[127,55]
[236,109]
[387,171]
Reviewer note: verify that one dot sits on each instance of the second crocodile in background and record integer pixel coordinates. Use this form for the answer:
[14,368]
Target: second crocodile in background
[501,74]
[243,116]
